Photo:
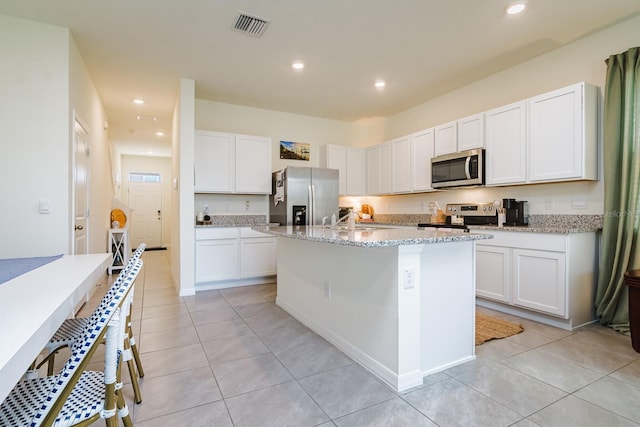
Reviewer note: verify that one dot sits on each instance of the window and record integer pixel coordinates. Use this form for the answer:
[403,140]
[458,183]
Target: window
[144,177]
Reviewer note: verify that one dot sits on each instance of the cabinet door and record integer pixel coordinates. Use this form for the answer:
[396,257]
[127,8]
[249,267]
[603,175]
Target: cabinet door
[355,171]
[373,170]
[506,144]
[253,164]
[401,165]
[492,272]
[385,168]
[539,281]
[214,165]
[217,260]
[335,157]
[421,154]
[258,257]
[556,142]
[471,132]
[446,139]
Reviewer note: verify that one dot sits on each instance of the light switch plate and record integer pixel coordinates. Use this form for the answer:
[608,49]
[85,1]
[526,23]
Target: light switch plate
[44,206]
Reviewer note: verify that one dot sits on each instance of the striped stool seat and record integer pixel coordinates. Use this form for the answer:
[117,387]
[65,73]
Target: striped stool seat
[85,401]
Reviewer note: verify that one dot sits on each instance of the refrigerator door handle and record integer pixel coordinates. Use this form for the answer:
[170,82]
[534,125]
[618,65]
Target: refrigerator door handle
[312,204]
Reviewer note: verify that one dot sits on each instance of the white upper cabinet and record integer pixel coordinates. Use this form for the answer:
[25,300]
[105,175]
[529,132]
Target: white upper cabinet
[421,154]
[471,132]
[446,138]
[350,162]
[373,170]
[356,171]
[253,164]
[506,137]
[229,163]
[214,155]
[386,168]
[401,161]
[563,134]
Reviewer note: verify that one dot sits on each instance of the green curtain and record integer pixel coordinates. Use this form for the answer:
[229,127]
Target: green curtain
[620,238]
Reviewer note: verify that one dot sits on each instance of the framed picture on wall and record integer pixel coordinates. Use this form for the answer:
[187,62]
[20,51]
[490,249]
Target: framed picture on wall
[294,150]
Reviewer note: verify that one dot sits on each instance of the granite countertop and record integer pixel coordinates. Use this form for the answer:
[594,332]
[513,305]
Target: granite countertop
[218,221]
[553,224]
[536,229]
[371,236]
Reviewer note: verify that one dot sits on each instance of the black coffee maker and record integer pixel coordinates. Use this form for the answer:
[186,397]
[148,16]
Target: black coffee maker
[517,213]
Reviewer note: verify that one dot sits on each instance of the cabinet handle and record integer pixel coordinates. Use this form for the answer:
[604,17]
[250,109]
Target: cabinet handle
[79,227]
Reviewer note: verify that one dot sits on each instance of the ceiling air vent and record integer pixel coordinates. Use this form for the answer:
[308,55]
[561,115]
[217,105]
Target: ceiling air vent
[251,25]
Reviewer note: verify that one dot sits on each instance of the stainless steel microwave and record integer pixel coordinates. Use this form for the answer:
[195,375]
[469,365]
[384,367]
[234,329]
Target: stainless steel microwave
[458,169]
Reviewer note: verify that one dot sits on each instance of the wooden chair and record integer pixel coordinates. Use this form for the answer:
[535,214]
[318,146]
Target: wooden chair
[76,397]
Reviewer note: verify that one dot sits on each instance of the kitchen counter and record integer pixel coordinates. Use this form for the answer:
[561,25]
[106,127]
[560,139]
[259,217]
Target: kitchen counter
[372,235]
[538,229]
[399,301]
[552,224]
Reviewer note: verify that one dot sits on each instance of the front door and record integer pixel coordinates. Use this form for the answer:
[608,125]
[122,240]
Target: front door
[145,198]
[81,188]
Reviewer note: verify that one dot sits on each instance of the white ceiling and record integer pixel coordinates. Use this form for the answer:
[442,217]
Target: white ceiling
[422,48]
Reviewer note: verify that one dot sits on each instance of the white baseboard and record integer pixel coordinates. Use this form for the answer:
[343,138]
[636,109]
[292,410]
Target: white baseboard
[224,284]
[396,382]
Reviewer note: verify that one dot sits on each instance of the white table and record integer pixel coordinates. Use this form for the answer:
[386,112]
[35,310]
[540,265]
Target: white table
[34,305]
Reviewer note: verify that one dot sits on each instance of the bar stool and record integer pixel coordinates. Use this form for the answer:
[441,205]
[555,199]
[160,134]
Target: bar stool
[71,330]
[75,396]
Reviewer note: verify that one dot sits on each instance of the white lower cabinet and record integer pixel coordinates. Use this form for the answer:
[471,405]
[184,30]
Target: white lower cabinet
[492,272]
[550,278]
[257,254]
[539,281]
[217,254]
[233,256]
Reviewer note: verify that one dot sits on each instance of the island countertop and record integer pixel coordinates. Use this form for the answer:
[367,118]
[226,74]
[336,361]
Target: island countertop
[371,236]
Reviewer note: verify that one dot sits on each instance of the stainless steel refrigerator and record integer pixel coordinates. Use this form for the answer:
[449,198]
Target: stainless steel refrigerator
[303,196]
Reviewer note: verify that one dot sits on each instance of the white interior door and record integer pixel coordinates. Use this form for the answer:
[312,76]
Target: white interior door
[145,198]
[80,188]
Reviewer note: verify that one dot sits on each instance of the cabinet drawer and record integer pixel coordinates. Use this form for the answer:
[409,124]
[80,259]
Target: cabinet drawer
[524,240]
[217,233]
[246,232]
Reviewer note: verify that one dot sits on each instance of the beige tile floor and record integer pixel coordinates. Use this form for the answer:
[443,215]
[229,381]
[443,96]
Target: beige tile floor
[233,358]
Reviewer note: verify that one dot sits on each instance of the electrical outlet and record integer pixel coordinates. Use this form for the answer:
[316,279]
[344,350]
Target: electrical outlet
[578,203]
[409,279]
[548,204]
[247,205]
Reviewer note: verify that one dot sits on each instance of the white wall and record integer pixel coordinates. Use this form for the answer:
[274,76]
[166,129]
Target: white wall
[149,164]
[34,118]
[86,103]
[182,250]
[43,81]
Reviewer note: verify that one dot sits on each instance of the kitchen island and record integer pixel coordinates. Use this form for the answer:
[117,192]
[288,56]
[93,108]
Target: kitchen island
[401,302]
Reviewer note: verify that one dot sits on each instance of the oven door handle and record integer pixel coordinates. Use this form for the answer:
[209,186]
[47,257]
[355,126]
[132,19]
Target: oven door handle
[467,164]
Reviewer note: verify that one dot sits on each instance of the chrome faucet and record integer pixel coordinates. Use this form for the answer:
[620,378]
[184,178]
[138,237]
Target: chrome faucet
[350,218]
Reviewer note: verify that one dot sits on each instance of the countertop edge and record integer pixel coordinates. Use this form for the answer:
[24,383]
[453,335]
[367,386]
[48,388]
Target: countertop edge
[345,239]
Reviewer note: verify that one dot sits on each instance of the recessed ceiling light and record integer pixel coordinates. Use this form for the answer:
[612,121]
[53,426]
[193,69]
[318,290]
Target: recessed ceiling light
[159,133]
[297,65]
[138,101]
[380,84]
[515,8]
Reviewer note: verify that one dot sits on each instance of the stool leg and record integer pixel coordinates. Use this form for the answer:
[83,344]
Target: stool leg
[132,344]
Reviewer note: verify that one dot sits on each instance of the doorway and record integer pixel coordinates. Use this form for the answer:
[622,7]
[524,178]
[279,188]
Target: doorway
[81,187]
[145,198]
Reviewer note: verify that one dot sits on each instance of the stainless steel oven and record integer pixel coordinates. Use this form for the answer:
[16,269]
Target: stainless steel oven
[458,169]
